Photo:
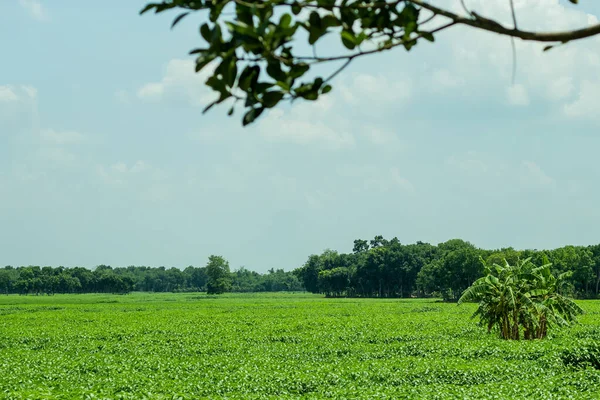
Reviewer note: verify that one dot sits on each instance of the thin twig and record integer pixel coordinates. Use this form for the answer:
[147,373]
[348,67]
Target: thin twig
[340,69]
[512,41]
[464,6]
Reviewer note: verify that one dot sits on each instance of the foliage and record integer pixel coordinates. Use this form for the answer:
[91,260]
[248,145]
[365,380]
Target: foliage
[387,268]
[251,46]
[106,279]
[219,276]
[279,346]
[521,298]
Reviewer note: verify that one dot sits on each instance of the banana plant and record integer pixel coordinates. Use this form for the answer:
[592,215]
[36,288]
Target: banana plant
[521,301]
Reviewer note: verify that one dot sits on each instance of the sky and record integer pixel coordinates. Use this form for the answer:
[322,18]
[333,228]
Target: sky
[106,158]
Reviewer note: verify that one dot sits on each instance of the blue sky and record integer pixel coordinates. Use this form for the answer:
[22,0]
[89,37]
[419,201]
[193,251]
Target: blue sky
[105,156]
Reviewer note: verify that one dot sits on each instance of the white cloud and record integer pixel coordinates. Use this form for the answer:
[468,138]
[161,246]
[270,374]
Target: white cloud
[375,178]
[122,97]
[7,94]
[481,63]
[121,173]
[471,163]
[58,156]
[379,136]
[587,103]
[401,181]
[307,123]
[317,199]
[517,95]
[61,137]
[152,91]
[35,9]
[442,79]
[560,88]
[375,90]
[180,83]
[14,93]
[534,176]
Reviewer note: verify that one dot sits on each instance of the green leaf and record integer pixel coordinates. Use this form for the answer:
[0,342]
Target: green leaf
[248,76]
[197,51]
[326,89]
[326,4]
[284,85]
[297,70]
[179,18]
[208,107]
[205,31]
[148,8]
[270,99]
[203,61]
[244,14]
[296,8]
[329,21]
[231,72]
[251,115]
[348,39]
[285,20]
[275,72]
[260,87]
[231,110]
[427,36]
[315,28]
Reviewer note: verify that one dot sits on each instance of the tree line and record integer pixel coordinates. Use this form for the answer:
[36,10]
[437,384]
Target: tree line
[388,268]
[375,268]
[215,277]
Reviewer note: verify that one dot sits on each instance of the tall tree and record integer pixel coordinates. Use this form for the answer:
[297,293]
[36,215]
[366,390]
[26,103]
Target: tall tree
[219,275]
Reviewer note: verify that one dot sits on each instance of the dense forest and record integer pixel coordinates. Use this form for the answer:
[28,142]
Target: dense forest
[105,279]
[388,268]
[375,268]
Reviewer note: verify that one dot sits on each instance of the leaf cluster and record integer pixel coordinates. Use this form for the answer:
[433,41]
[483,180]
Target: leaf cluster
[521,301]
[249,44]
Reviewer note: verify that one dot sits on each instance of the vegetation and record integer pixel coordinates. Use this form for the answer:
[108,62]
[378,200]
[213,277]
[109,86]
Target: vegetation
[375,268]
[215,277]
[257,57]
[521,298]
[279,346]
[388,268]
[219,277]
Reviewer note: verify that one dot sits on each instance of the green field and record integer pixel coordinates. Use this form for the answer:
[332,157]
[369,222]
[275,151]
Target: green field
[190,346]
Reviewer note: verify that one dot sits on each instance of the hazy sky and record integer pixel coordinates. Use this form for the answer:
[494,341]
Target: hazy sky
[106,158]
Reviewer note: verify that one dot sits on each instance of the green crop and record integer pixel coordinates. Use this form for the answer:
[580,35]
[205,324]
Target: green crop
[191,346]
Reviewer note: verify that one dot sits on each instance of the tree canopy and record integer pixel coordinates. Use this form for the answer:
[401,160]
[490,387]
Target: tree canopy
[255,51]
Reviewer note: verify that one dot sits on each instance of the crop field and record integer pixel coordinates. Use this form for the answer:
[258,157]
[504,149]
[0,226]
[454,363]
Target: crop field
[190,346]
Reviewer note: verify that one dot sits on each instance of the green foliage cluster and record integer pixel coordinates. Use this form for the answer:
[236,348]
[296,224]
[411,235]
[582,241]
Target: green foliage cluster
[249,44]
[256,50]
[280,346]
[105,279]
[388,268]
[521,301]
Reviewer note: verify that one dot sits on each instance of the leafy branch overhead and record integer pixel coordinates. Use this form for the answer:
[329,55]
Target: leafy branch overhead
[253,62]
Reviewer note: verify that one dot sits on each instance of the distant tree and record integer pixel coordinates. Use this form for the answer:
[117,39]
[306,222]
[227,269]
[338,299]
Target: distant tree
[360,246]
[4,281]
[195,278]
[219,275]
[309,273]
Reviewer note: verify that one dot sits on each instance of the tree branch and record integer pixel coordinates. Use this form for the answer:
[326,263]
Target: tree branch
[492,26]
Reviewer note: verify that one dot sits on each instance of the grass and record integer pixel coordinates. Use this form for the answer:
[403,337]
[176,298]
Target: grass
[190,346]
